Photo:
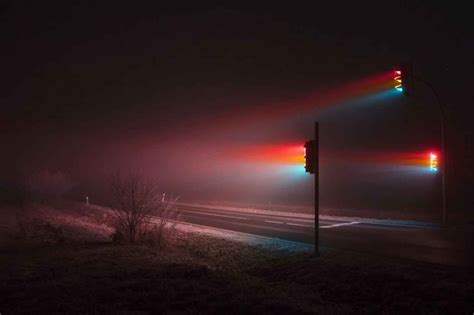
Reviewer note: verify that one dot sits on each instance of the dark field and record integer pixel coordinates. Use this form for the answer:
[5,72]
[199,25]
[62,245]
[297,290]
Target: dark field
[199,274]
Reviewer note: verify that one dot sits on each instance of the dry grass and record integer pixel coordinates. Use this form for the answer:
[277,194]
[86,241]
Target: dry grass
[202,274]
[39,223]
[207,275]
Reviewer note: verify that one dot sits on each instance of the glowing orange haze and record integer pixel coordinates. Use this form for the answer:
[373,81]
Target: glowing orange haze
[294,154]
[268,153]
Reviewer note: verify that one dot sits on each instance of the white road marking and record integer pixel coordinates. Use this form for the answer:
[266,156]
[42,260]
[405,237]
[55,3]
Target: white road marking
[217,215]
[297,224]
[338,224]
[277,222]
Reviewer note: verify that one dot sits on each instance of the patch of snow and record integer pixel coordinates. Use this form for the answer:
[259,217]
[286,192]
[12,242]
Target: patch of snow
[255,240]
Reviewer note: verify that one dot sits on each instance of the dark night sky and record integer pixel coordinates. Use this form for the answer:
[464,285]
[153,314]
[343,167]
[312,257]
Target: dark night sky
[87,83]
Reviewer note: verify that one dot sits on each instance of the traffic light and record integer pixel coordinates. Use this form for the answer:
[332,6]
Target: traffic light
[397,78]
[403,79]
[309,157]
[433,162]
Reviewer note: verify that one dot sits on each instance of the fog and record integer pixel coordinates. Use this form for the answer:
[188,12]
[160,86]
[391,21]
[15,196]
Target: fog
[366,145]
[210,112]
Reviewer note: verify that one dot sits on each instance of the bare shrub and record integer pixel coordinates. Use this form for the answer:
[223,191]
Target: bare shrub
[160,231]
[141,214]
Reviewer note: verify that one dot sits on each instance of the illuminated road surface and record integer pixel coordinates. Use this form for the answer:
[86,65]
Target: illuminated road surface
[390,238]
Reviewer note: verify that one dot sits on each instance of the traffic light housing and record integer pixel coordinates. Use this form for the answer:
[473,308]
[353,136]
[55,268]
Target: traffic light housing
[398,81]
[403,79]
[309,159]
[433,162]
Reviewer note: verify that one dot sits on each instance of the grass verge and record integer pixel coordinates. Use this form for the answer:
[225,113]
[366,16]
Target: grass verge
[197,273]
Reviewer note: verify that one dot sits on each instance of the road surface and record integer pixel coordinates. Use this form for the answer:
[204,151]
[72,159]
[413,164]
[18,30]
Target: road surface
[402,239]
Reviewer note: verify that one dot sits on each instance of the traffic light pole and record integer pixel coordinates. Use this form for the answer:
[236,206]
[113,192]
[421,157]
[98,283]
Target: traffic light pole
[444,217]
[316,188]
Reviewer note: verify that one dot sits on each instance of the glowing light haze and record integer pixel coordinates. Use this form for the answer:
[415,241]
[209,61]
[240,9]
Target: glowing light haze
[216,103]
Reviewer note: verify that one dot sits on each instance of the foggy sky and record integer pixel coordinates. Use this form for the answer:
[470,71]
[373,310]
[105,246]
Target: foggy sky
[89,88]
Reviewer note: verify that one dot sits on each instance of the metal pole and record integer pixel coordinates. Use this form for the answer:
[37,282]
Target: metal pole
[443,170]
[444,215]
[316,188]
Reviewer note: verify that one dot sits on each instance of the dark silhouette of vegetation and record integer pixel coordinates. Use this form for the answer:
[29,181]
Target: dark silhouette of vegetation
[141,214]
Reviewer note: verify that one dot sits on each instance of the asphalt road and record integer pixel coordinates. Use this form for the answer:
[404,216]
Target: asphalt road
[406,240]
